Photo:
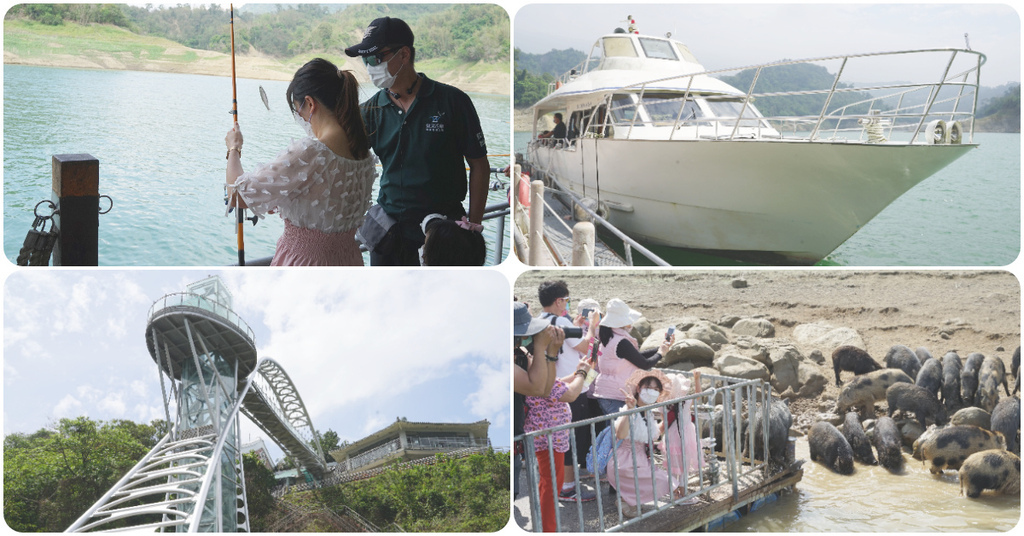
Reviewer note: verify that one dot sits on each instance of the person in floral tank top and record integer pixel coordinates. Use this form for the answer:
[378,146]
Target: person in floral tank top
[547,412]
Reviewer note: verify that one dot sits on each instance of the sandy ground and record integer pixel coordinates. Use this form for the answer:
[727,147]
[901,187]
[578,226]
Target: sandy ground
[966,311]
[254,66]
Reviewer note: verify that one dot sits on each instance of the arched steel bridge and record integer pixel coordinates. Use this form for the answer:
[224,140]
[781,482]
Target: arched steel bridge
[192,480]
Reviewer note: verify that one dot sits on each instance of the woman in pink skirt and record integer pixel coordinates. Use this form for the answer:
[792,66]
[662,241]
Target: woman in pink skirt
[320,184]
[679,415]
[633,476]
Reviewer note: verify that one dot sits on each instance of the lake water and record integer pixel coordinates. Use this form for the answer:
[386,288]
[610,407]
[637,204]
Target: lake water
[159,139]
[874,500]
[967,214]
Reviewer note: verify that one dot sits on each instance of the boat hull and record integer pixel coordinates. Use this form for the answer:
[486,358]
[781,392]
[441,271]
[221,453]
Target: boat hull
[781,202]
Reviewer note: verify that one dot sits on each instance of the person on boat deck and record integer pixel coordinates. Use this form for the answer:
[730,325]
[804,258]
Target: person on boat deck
[425,133]
[554,299]
[322,183]
[558,132]
[530,377]
[620,355]
[630,473]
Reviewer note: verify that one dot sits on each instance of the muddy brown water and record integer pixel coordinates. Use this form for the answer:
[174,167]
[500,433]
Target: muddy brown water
[874,500]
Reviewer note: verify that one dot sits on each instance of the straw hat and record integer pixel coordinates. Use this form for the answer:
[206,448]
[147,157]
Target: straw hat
[618,314]
[640,375]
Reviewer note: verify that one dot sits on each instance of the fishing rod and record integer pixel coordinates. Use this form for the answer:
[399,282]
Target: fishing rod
[240,212]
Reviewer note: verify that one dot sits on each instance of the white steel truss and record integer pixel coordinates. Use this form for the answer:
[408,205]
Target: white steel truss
[202,351]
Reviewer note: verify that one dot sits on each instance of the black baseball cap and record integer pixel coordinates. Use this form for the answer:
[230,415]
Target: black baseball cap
[382,32]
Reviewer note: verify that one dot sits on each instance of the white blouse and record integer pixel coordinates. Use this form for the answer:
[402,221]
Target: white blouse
[644,430]
[311,186]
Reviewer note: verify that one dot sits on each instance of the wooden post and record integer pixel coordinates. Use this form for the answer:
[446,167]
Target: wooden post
[583,244]
[536,241]
[76,192]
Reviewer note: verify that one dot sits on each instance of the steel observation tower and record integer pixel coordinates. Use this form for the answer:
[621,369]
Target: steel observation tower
[192,480]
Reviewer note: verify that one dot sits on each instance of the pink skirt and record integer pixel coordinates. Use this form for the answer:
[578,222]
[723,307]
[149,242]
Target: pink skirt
[308,247]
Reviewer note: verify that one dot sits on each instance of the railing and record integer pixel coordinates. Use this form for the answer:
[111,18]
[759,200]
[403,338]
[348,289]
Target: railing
[908,107]
[185,299]
[432,443]
[583,242]
[721,434]
[375,454]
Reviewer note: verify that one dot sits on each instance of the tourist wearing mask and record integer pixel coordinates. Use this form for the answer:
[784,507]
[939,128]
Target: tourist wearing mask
[633,477]
[530,377]
[426,134]
[620,355]
[322,183]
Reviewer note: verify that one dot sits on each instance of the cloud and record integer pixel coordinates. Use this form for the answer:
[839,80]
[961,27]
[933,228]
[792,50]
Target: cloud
[338,337]
[491,398]
[68,406]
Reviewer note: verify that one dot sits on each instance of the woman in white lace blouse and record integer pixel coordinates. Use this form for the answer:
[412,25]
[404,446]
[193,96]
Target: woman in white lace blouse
[320,184]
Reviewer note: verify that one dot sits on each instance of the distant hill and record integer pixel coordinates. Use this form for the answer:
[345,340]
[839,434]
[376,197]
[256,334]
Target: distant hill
[1000,114]
[798,77]
[554,62]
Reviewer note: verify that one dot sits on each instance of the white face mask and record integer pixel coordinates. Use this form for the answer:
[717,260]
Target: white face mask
[380,76]
[306,126]
[649,396]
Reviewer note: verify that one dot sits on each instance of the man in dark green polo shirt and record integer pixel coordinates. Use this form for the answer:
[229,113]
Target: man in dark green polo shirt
[424,133]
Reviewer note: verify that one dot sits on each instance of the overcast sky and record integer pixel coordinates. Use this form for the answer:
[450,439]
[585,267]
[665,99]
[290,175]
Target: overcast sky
[362,347]
[735,35]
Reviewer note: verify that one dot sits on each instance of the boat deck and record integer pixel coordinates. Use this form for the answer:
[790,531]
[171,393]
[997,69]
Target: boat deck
[559,238]
[706,509]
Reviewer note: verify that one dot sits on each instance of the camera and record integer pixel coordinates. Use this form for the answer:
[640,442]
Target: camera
[586,313]
[573,332]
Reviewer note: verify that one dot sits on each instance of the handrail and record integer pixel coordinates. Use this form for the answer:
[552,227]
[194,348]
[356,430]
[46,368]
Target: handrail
[955,73]
[188,299]
[735,395]
[626,239]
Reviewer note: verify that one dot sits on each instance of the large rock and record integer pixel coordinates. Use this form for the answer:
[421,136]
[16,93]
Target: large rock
[785,367]
[728,320]
[812,381]
[754,327]
[708,333]
[687,322]
[739,366]
[642,327]
[683,350]
[826,338]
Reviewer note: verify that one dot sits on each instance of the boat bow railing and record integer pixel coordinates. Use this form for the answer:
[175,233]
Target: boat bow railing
[941,108]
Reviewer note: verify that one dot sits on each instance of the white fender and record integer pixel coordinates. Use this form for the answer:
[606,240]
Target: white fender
[935,133]
[954,133]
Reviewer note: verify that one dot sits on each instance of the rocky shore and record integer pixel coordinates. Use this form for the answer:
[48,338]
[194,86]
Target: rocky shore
[783,325]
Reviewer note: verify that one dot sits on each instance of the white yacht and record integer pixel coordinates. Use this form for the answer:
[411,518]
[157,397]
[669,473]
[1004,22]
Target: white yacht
[672,155]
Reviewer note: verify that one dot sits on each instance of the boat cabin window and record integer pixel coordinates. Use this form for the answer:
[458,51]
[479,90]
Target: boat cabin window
[658,49]
[623,108]
[730,108]
[685,53]
[619,47]
[664,108]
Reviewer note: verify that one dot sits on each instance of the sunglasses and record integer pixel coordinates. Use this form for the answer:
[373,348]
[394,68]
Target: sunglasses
[378,58]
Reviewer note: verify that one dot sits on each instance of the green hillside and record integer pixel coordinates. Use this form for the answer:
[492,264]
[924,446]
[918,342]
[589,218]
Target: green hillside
[464,32]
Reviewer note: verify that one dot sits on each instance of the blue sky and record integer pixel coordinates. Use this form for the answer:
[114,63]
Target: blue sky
[362,347]
[724,35]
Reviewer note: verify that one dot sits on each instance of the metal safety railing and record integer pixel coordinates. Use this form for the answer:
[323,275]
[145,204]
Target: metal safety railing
[910,107]
[724,415]
[186,299]
[534,223]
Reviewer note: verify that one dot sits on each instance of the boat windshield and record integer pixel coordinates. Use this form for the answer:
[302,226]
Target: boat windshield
[621,47]
[729,110]
[661,109]
[659,49]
